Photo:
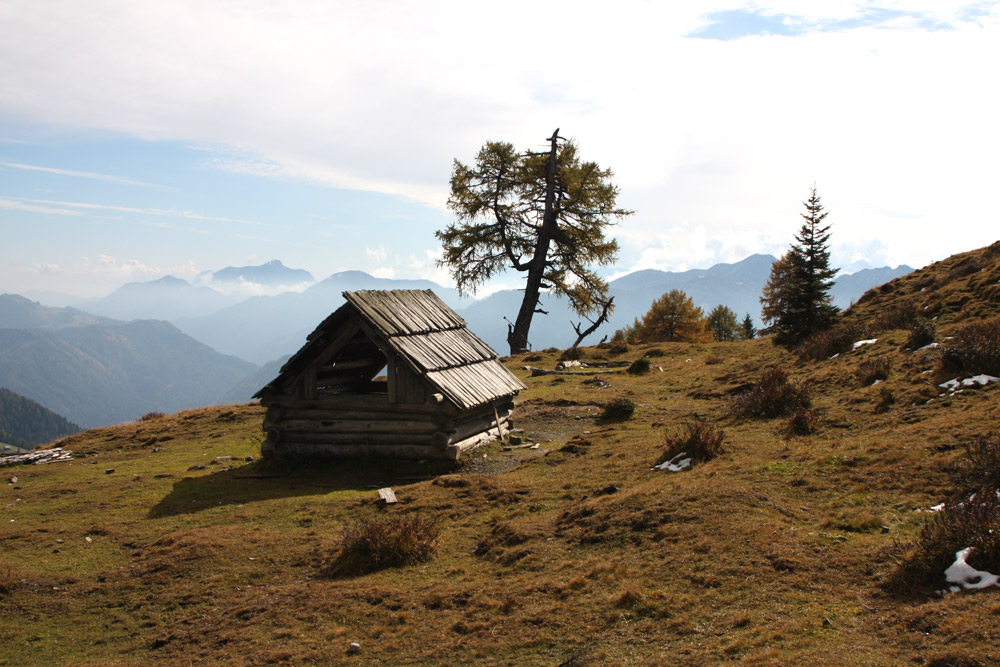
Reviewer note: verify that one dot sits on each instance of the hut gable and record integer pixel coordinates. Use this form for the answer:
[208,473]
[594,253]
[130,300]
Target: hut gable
[431,359]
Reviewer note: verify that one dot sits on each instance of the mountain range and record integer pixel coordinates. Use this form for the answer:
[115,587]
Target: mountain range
[168,344]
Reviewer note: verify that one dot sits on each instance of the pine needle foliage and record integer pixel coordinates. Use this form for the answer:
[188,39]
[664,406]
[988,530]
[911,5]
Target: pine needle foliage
[797,295]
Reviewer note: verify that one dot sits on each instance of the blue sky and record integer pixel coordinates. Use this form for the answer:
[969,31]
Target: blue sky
[149,138]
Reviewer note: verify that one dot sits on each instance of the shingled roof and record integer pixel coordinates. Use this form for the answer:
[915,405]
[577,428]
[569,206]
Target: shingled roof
[416,327]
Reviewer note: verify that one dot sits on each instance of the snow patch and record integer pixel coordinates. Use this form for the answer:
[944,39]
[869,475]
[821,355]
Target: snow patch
[962,575]
[675,465]
[982,380]
[862,343]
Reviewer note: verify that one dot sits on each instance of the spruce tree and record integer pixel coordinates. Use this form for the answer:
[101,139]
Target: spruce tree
[749,330]
[806,302]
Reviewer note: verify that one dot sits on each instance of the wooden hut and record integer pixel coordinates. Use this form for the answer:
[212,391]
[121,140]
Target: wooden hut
[444,391]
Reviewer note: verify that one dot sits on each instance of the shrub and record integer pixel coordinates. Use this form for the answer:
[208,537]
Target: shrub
[385,541]
[696,439]
[836,340]
[870,370]
[922,333]
[619,409]
[973,523]
[975,348]
[150,416]
[640,366]
[980,471]
[804,421]
[772,396]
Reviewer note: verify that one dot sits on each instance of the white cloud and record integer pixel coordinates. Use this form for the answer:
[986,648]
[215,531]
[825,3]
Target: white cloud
[110,178]
[715,143]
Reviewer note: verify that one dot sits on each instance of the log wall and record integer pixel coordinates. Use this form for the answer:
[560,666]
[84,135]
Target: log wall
[369,425]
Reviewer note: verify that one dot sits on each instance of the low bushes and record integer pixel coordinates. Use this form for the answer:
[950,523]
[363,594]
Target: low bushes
[835,340]
[973,523]
[772,396]
[974,348]
[385,541]
[980,471]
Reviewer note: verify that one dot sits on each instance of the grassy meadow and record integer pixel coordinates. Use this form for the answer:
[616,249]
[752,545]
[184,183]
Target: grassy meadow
[166,541]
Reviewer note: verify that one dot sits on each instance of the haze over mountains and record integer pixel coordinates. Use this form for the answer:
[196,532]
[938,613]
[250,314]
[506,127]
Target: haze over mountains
[168,344]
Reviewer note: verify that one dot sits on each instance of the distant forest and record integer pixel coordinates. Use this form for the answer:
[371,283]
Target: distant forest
[25,423]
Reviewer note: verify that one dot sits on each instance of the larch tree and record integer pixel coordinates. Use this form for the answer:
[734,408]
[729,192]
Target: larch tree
[722,323]
[542,214]
[674,318]
[800,303]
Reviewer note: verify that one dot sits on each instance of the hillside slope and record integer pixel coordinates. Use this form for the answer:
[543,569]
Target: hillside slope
[101,375]
[25,423]
[162,544]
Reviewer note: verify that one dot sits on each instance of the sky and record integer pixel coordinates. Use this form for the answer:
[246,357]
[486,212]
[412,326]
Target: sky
[143,138]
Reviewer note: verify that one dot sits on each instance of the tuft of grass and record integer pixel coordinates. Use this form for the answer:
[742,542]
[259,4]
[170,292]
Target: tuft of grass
[886,399]
[974,348]
[772,396]
[149,416]
[640,366]
[974,523]
[870,370]
[9,581]
[697,439]
[385,541]
[619,409]
[856,521]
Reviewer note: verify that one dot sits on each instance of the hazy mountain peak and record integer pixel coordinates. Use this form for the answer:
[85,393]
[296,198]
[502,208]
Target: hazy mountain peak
[269,274]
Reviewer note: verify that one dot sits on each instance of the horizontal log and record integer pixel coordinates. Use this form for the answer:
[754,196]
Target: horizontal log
[371,402]
[348,451]
[457,448]
[365,415]
[281,437]
[357,426]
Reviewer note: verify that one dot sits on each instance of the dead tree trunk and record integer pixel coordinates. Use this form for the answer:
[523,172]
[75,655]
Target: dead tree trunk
[606,308]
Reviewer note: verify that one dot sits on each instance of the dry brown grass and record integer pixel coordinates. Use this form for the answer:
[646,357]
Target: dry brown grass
[577,553]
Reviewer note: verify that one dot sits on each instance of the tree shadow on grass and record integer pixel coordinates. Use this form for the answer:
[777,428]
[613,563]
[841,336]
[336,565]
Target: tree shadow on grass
[267,480]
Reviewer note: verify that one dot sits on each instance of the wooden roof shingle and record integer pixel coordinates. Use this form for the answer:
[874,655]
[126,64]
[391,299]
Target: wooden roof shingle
[428,336]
